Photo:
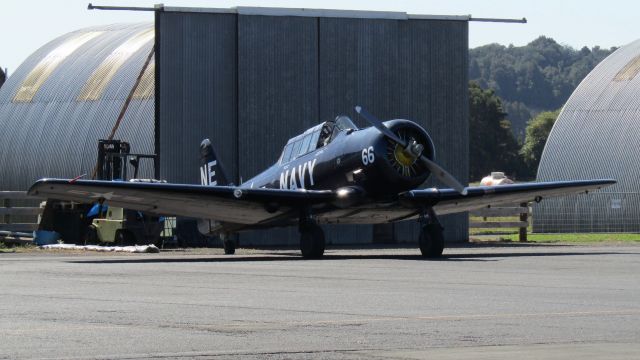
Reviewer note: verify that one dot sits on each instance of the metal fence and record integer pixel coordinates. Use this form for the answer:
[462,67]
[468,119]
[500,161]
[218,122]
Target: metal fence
[596,212]
[15,214]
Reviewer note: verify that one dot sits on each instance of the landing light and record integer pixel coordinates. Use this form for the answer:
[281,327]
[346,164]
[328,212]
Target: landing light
[343,192]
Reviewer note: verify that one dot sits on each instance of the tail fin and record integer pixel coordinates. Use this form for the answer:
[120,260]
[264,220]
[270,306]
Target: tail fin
[211,170]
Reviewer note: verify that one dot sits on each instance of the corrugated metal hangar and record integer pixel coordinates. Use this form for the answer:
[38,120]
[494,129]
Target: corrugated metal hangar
[66,96]
[247,78]
[597,136]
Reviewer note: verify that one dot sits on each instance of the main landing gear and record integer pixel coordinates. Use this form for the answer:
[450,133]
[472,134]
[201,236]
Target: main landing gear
[311,238]
[228,243]
[431,240]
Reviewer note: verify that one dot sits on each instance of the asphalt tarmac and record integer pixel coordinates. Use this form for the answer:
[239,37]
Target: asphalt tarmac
[520,302]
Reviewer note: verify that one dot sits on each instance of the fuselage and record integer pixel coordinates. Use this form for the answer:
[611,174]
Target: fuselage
[354,158]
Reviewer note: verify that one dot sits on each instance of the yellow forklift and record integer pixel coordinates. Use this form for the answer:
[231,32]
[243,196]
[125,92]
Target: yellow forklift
[114,225]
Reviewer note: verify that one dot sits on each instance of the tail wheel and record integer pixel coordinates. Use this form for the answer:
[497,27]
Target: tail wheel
[431,240]
[312,241]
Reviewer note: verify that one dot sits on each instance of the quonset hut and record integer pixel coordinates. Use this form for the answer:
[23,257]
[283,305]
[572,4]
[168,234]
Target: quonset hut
[597,135]
[248,79]
[67,95]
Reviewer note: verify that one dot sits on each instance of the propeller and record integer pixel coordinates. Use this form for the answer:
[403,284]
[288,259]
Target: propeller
[416,150]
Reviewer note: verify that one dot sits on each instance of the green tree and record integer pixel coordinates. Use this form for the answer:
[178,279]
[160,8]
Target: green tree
[536,135]
[492,144]
[539,76]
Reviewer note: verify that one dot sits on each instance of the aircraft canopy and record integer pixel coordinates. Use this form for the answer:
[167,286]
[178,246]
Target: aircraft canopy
[315,137]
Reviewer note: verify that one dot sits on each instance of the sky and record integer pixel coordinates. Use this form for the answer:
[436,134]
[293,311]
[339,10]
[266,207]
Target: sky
[26,25]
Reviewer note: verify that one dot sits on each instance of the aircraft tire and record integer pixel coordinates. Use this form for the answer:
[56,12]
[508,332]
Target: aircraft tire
[431,241]
[312,242]
[229,246]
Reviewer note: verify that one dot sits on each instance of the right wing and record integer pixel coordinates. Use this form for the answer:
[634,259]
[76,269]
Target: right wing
[220,203]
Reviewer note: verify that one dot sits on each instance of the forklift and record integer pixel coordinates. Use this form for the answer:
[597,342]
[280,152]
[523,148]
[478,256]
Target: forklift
[114,225]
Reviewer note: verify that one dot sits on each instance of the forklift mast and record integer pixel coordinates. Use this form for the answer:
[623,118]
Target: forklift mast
[112,159]
[114,156]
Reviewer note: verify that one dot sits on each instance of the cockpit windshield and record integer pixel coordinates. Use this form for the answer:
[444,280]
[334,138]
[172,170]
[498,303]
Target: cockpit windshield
[344,123]
[316,137]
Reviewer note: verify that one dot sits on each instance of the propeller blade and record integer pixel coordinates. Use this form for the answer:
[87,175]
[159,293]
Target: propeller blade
[380,126]
[442,175]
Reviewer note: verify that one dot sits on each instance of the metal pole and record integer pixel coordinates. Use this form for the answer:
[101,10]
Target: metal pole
[126,8]
[517,21]
[125,106]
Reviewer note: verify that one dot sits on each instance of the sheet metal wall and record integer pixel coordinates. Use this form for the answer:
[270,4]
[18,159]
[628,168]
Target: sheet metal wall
[411,69]
[196,72]
[55,135]
[597,136]
[294,72]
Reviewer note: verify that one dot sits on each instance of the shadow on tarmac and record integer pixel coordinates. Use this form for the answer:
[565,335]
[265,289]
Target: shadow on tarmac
[295,256]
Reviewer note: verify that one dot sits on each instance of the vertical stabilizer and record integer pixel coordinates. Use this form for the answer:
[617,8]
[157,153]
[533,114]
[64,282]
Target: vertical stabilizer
[212,171]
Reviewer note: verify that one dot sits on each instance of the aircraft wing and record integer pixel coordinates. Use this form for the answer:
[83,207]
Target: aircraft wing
[448,201]
[221,203]
[265,207]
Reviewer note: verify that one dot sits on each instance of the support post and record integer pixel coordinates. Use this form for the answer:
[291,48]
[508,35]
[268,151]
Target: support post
[6,203]
[524,216]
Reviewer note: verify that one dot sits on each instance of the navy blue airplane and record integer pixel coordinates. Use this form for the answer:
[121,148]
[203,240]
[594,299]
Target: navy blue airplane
[333,173]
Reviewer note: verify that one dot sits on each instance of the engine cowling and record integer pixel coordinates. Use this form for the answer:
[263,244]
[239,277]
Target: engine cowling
[402,166]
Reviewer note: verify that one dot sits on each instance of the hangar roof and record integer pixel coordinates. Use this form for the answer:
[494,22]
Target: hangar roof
[305,12]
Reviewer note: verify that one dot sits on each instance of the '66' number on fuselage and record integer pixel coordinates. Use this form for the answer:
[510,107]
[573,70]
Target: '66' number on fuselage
[368,156]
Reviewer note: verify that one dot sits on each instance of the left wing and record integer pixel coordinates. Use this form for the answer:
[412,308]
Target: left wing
[221,203]
[448,201]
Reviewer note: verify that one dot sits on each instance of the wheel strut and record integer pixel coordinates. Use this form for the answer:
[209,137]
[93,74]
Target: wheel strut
[312,243]
[431,239]
[228,243]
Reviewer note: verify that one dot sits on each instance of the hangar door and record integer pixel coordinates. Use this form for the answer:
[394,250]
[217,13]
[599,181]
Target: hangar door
[250,81]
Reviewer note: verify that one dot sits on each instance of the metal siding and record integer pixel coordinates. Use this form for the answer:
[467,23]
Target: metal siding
[56,136]
[596,136]
[414,69]
[277,96]
[197,87]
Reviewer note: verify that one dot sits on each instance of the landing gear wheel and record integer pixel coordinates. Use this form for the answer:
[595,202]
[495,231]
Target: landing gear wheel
[229,246]
[431,240]
[124,238]
[311,241]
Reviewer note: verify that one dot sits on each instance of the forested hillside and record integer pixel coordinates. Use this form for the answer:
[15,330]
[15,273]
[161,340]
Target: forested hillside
[533,78]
